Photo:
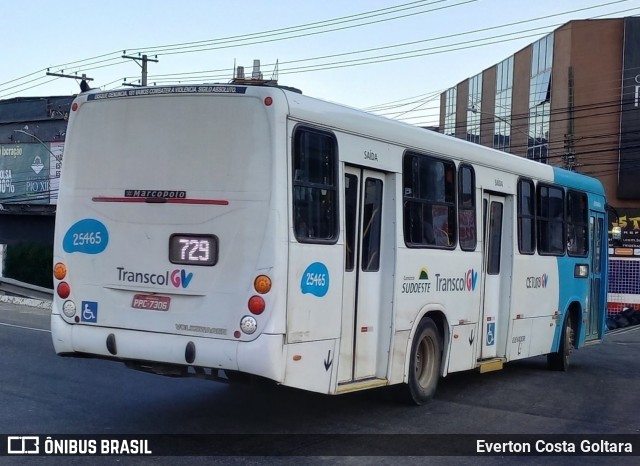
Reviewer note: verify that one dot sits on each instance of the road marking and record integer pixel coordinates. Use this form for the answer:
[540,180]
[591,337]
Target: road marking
[26,328]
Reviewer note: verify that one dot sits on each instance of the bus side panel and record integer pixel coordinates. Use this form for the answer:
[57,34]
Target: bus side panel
[534,305]
[315,270]
[314,357]
[461,348]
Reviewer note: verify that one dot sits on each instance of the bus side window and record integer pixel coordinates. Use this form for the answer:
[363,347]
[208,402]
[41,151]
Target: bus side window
[526,217]
[577,224]
[315,165]
[550,219]
[429,201]
[467,208]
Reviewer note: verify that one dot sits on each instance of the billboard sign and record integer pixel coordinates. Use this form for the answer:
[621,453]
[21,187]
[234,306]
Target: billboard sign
[30,173]
[629,222]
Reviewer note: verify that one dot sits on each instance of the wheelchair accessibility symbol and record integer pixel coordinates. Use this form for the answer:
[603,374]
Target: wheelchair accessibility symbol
[89,311]
[491,333]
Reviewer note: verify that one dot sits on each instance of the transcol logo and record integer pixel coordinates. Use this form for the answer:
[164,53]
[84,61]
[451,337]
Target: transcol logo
[178,277]
[467,282]
[538,282]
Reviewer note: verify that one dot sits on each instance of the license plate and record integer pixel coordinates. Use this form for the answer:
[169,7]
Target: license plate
[151,302]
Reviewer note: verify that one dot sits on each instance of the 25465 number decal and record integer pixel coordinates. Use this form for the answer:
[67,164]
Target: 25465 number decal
[316,279]
[80,239]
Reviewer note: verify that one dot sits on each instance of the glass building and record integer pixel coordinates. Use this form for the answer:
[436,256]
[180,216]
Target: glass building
[571,100]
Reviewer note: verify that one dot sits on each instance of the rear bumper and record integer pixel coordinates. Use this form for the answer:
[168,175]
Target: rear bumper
[263,356]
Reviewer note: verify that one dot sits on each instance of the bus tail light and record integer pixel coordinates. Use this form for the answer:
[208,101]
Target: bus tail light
[262,284]
[63,290]
[59,271]
[256,305]
[69,308]
[248,325]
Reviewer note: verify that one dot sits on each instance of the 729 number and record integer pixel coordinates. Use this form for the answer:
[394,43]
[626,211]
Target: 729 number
[190,249]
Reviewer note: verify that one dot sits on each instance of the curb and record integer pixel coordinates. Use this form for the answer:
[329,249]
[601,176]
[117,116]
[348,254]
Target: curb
[39,303]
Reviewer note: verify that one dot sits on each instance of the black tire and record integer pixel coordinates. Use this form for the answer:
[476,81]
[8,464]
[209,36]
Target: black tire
[611,323]
[622,321]
[424,364]
[559,361]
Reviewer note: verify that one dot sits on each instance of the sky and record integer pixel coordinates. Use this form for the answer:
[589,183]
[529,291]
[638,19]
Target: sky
[390,57]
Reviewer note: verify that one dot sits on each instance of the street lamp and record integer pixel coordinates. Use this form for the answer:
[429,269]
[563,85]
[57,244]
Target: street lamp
[57,157]
[473,109]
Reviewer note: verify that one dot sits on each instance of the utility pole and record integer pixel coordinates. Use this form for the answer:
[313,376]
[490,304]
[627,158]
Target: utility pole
[144,59]
[569,147]
[83,84]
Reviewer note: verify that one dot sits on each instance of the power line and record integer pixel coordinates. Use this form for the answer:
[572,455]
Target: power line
[102,58]
[361,16]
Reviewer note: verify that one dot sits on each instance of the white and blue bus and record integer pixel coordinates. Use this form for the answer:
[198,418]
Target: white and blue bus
[229,230]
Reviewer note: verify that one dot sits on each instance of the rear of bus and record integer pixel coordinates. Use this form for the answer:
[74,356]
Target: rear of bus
[168,230]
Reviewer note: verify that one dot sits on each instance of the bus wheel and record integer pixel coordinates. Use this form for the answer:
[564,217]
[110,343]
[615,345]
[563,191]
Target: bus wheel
[559,361]
[424,366]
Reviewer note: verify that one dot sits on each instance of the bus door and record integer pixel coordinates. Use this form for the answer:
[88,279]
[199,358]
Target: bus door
[596,298]
[497,249]
[366,320]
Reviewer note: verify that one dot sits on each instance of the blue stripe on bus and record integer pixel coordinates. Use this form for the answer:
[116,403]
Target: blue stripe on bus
[578,181]
[570,288]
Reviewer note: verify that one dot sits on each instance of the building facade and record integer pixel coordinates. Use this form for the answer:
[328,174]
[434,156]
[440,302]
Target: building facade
[571,99]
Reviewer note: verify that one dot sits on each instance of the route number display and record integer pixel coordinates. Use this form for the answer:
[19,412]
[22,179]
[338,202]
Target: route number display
[188,249]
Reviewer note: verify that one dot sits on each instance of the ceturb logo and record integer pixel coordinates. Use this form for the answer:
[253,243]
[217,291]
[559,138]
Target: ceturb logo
[179,278]
[538,282]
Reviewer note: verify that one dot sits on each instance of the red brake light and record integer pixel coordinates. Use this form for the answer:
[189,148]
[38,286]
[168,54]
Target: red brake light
[64,290]
[256,305]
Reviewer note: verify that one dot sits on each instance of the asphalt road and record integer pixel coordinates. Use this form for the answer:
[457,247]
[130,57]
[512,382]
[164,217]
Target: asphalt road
[41,393]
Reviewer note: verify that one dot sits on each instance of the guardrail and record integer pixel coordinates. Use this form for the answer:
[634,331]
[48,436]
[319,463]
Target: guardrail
[11,287]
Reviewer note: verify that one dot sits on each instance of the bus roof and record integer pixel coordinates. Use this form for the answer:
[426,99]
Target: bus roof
[342,118]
